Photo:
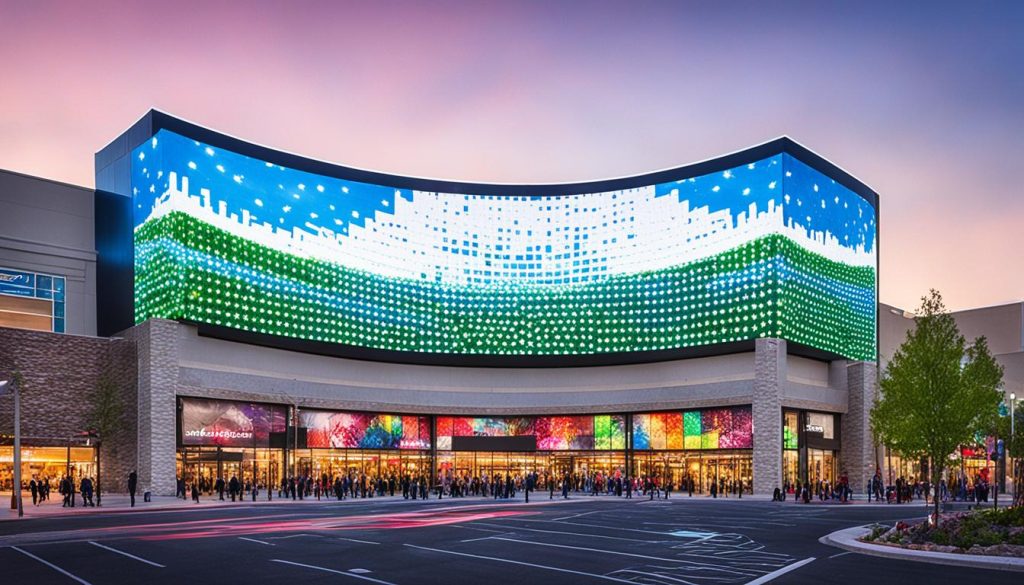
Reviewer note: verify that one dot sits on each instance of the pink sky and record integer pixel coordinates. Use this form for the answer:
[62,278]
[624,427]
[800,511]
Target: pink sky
[925,108]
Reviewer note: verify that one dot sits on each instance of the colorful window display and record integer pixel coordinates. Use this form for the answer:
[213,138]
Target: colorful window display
[229,423]
[713,428]
[790,430]
[773,248]
[340,430]
[553,433]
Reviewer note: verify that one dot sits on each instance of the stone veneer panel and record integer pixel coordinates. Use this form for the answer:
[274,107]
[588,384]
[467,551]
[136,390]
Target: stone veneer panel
[60,374]
[857,458]
[770,377]
[157,346]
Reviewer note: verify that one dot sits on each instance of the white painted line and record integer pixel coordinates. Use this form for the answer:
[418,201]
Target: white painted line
[518,528]
[257,541]
[613,552]
[774,574]
[360,571]
[290,536]
[130,556]
[325,569]
[577,515]
[841,554]
[51,565]
[476,539]
[357,540]
[500,560]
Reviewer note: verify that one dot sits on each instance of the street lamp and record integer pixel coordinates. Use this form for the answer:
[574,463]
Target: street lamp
[10,387]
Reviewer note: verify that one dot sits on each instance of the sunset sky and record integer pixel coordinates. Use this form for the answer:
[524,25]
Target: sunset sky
[922,101]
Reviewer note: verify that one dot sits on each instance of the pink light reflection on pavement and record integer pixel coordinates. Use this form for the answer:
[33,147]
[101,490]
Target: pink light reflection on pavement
[220,528]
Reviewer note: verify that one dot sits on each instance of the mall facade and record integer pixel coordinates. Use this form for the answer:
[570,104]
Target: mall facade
[258,314]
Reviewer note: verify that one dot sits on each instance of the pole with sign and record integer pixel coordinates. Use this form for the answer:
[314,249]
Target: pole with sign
[11,387]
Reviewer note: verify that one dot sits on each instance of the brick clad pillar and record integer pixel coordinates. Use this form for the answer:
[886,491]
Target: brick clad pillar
[157,349]
[769,379]
[857,458]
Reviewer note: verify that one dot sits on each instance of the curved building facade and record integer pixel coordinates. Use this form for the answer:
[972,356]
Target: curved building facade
[713,324]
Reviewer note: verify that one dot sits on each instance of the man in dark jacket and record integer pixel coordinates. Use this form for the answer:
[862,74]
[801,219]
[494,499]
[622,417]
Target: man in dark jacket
[233,487]
[86,488]
[218,487]
[133,484]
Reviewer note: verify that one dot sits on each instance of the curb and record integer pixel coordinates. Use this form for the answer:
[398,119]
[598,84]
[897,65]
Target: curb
[847,539]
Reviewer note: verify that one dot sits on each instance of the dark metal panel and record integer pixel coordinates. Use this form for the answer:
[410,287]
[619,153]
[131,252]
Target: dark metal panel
[524,443]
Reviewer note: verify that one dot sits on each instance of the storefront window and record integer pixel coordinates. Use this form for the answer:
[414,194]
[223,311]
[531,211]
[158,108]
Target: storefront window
[818,422]
[790,429]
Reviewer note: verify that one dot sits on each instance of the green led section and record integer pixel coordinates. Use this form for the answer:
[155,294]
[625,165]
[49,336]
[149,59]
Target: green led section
[769,287]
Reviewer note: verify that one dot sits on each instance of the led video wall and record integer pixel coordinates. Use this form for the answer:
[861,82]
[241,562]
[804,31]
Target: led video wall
[339,430]
[713,428]
[772,248]
[228,423]
[553,433]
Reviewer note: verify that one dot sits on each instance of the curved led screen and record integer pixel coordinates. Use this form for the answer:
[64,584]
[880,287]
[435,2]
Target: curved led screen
[773,248]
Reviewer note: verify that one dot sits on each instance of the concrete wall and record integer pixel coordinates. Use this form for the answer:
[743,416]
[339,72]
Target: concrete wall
[213,367]
[60,375]
[46,226]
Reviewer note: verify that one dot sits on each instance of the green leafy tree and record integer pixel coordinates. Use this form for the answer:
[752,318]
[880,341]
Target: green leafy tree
[106,416]
[937,391]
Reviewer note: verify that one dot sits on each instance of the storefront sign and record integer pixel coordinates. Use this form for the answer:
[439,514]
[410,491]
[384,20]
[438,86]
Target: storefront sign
[228,423]
[814,429]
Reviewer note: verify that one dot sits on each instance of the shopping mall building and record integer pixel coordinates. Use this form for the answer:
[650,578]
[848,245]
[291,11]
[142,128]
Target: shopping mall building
[257,313]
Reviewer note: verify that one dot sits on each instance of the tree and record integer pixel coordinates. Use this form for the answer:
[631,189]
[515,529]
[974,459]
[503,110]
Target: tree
[937,391]
[107,414]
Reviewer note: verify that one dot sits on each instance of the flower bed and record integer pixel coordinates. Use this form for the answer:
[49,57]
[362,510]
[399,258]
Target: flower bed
[985,532]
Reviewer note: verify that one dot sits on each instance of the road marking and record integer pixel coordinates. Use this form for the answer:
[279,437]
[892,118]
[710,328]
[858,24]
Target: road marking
[770,576]
[51,565]
[325,569]
[360,571]
[357,540]
[130,556]
[577,515]
[841,554]
[291,536]
[609,552]
[517,528]
[476,539]
[258,541]
[500,560]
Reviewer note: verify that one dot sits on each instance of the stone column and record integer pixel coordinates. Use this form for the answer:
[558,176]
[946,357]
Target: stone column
[857,457]
[769,380]
[157,350]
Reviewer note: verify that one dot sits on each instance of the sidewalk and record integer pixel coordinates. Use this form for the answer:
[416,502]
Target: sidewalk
[121,503]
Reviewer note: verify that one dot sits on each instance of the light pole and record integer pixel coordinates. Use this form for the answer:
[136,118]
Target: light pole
[1013,459]
[10,386]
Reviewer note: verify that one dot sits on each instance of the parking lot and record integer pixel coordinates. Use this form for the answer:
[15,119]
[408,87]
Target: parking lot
[580,540]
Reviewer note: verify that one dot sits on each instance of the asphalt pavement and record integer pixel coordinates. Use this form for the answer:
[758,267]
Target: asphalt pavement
[392,541]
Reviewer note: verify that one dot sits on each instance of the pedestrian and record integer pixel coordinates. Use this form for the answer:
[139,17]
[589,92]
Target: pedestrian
[565,486]
[133,484]
[218,486]
[35,491]
[64,489]
[86,488]
[233,487]
[195,491]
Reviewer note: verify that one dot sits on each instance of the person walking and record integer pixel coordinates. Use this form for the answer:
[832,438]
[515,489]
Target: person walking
[218,486]
[133,484]
[86,488]
[32,487]
[65,491]
[195,491]
[565,486]
[233,487]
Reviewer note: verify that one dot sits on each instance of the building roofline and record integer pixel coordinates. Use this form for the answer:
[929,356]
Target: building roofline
[156,120]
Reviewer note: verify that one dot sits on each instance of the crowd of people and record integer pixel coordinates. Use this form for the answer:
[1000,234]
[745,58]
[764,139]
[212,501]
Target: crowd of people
[453,485]
[68,487]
